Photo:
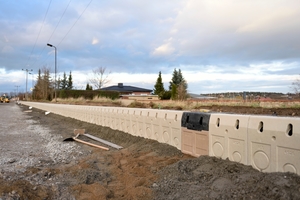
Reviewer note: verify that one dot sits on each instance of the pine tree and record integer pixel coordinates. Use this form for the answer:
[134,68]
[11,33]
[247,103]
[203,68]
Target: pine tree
[182,83]
[48,85]
[159,86]
[180,78]
[59,83]
[174,80]
[70,82]
[179,84]
[63,82]
[37,88]
[174,92]
[88,87]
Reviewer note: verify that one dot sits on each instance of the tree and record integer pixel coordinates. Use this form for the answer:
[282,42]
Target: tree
[159,87]
[296,86]
[174,92]
[58,82]
[63,82]
[178,86]
[44,86]
[88,87]
[182,91]
[70,82]
[100,77]
[174,79]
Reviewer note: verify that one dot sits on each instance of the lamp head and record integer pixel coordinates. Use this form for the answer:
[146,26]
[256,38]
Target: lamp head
[50,45]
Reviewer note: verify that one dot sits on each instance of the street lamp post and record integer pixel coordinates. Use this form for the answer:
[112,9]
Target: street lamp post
[50,45]
[27,70]
[31,80]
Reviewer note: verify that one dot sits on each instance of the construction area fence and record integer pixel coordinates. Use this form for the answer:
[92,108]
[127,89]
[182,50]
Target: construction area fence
[267,143]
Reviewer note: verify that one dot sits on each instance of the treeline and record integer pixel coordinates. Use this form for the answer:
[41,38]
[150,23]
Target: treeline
[244,94]
[44,88]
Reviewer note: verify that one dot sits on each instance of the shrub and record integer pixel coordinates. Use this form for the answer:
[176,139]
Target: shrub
[87,94]
[166,95]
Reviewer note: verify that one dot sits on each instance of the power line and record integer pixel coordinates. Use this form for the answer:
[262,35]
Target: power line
[59,20]
[39,33]
[54,30]
[70,27]
[75,23]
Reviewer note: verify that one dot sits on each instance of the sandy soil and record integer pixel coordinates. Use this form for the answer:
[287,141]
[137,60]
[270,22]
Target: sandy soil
[40,165]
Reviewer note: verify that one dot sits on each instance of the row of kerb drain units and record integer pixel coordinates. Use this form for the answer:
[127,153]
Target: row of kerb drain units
[268,143]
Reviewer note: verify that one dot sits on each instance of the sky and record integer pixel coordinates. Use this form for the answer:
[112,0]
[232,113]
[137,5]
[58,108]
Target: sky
[219,46]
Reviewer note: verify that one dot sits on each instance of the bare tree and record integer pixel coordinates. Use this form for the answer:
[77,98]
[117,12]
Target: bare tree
[182,91]
[296,86]
[100,77]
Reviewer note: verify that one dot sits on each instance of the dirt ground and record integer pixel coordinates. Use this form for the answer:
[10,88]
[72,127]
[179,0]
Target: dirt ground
[142,169]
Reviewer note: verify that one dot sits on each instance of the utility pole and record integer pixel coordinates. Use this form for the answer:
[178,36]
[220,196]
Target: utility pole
[27,70]
[17,86]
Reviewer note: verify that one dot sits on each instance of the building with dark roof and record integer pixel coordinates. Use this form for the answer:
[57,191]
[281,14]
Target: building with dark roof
[128,90]
[131,92]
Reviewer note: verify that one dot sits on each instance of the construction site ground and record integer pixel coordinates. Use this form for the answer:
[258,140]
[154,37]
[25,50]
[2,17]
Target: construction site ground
[37,164]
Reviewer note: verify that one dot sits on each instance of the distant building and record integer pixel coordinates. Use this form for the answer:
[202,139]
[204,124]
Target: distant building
[131,92]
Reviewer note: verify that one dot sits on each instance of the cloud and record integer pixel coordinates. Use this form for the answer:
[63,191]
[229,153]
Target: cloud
[5,38]
[265,23]
[95,41]
[229,31]
[164,50]
[230,44]
[2,71]
[7,49]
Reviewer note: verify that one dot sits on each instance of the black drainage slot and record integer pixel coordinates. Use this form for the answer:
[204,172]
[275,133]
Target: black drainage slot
[290,130]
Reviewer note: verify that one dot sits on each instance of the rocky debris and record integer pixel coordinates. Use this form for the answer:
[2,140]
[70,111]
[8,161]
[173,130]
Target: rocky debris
[212,178]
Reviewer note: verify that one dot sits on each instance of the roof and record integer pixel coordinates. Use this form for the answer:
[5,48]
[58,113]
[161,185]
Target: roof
[124,88]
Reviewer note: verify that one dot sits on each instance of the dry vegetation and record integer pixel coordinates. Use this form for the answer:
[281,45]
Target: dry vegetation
[83,101]
[182,105]
[190,105]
